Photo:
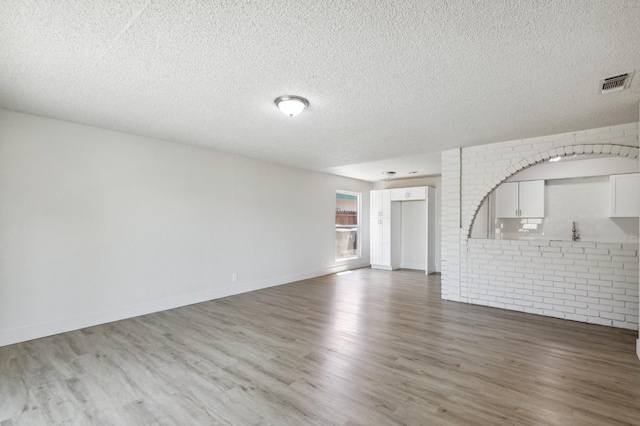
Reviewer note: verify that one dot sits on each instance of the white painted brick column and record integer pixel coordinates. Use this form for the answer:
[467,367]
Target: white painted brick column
[450,224]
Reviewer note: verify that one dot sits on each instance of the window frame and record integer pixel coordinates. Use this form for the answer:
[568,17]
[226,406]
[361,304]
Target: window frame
[357,227]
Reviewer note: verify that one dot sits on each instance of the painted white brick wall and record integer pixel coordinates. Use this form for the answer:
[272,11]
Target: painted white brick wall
[485,166]
[450,224]
[581,281]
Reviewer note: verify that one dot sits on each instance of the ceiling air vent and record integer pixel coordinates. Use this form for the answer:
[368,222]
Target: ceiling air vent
[615,83]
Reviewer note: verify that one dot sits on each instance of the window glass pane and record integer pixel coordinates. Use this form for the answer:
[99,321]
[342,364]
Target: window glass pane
[346,209]
[347,225]
[346,242]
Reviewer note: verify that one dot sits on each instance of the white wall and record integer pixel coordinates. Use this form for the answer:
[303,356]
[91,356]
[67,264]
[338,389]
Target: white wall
[97,226]
[413,252]
[599,279]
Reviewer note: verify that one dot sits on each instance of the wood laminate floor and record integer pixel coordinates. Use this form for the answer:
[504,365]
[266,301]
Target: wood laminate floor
[366,348]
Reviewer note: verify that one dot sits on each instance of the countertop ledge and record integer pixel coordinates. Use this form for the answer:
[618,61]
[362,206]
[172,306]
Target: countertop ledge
[562,243]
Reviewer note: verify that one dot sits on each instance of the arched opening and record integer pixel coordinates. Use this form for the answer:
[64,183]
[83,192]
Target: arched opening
[567,155]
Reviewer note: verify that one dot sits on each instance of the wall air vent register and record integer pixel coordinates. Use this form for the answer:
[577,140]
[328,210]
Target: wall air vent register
[615,83]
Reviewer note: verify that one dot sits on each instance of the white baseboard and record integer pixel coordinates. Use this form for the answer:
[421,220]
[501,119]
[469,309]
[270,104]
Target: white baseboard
[638,348]
[36,331]
[386,268]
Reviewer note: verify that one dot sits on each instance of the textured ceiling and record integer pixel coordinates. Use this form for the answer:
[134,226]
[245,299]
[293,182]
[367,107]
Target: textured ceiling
[385,79]
[427,164]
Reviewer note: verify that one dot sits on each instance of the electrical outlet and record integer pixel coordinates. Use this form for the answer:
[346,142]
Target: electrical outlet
[234,277]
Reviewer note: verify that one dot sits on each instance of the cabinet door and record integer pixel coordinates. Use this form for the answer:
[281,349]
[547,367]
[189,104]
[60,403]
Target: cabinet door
[625,195]
[507,200]
[385,230]
[386,203]
[417,193]
[404,194]
[399,194]
[380,242]
[531,197]
[376,204]
[380,203]
[380,230]
[376,230]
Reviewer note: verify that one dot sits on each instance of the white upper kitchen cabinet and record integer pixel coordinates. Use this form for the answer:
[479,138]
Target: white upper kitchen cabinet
[531,198]
[380,203]
[507,200]
[409,194]
[625,195]
[520,199]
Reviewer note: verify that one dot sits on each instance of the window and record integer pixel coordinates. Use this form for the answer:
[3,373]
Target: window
[347,225]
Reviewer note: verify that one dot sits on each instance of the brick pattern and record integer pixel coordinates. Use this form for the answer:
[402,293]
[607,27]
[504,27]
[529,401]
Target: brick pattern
[470,271]
[450,224]
[589,282]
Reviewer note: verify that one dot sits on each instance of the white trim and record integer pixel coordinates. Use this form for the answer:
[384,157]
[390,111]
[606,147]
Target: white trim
[385,267]
[36,331]
[638,348]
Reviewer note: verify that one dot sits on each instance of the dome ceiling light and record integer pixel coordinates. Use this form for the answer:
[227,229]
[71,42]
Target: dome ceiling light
[291,105]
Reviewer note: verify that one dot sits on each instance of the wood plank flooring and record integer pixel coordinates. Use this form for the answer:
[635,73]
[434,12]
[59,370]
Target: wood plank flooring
[366,348]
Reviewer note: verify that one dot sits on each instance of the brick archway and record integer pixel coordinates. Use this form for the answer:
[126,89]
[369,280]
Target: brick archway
[610,150]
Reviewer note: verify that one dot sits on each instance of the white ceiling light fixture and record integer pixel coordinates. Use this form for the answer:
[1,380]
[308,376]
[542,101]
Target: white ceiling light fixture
[291,105]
